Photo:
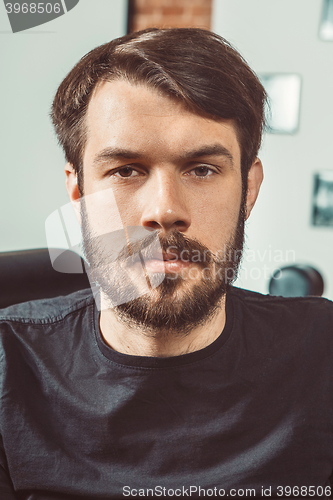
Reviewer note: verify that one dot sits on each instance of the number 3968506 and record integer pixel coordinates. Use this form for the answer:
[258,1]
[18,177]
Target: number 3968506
[33,8]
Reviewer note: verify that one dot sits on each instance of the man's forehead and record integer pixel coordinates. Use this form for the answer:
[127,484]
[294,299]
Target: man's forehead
[120,112]
[123,97]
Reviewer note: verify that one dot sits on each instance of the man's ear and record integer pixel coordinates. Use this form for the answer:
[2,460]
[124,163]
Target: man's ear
[73,189]
[71,183]
[254,180]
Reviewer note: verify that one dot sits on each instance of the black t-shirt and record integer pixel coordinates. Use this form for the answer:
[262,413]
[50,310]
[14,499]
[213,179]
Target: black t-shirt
[251,412]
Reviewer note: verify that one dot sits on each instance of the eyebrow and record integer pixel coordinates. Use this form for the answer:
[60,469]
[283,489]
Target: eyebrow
[210,150]
[111,153]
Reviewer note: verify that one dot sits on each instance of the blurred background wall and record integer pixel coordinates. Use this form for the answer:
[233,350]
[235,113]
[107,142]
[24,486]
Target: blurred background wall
[32,64]
[275,36]
[282,36]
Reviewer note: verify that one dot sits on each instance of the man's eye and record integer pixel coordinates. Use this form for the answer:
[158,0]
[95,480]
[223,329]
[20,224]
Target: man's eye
[202,171]
[126,172]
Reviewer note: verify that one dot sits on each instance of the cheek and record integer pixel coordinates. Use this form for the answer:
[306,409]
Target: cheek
[216,220]
[129,207]
[103,212]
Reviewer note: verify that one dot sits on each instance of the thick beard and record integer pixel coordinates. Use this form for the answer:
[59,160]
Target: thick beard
[178,304]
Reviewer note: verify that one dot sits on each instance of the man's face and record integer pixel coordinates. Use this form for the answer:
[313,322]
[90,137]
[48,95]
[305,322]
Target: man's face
[173,171]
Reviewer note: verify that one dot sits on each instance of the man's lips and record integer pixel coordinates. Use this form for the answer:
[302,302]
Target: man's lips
[171,263]
[161,262]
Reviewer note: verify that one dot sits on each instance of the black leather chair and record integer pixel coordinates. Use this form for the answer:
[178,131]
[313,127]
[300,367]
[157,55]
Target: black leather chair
[28,275]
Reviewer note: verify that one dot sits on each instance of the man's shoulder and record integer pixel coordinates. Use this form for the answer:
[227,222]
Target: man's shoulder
[47,311]
[256,297]
[47,329]
[300,309]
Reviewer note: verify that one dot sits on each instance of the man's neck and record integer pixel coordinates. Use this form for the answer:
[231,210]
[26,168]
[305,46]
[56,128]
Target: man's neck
[136,341]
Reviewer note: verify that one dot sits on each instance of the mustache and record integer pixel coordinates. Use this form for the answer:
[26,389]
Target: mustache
[189,249]
[174,243]
[121,245]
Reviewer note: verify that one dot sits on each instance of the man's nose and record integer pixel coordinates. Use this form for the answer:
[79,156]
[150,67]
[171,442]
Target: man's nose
[165,206]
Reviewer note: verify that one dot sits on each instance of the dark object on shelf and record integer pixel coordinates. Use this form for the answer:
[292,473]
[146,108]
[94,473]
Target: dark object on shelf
[322,206]
[29,275]
[296,281]
[284,96]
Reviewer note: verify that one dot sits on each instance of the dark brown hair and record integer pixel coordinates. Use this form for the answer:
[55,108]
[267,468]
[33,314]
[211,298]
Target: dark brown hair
[192,65]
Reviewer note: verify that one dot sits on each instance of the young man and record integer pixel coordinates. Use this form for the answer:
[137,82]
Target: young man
[172,383]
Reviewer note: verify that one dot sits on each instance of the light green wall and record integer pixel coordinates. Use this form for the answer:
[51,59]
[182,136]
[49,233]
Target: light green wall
[32,65]
[282,36]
